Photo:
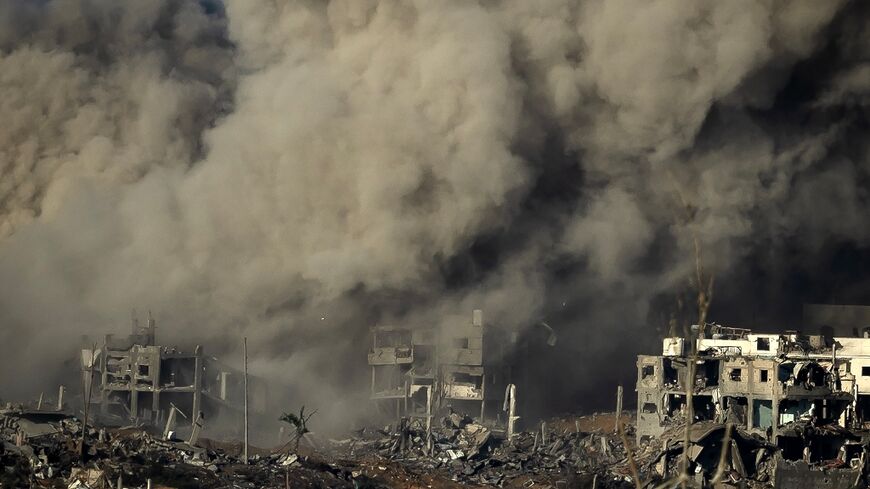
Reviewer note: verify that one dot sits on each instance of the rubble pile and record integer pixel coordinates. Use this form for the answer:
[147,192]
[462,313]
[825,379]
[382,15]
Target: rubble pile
[46,449]
[805,455]
[36,445]
[742,459]
[470,453]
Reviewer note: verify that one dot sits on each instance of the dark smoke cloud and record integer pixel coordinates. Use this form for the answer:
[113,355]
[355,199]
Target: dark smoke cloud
[299,171]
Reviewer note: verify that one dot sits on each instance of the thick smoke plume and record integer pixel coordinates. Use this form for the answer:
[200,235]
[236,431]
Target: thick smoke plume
[296,172]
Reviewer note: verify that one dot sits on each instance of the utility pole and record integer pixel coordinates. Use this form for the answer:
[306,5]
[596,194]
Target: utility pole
[246,399]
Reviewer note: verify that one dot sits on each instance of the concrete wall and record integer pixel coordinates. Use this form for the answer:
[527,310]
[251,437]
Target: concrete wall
[852,347]
[730,385]
[757,343]
[858,367]
[759,387]
[649,372]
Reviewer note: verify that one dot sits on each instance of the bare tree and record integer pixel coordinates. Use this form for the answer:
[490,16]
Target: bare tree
[702,284]
[299,423]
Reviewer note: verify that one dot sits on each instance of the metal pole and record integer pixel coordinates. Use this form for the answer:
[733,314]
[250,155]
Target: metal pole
[245,455]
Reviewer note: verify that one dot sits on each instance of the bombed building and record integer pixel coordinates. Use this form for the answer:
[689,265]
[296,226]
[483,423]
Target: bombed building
[415,371]
[806,395]
[131,378]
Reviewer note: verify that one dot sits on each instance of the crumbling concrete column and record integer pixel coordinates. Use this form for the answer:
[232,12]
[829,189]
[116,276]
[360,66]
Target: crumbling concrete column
[196,429]
[134,394]
[429,410]
[511,408]
[156,387]
[407,395]
[775,420]
[170,422]
[197,383]
[618,408]
[750,411]
[104,394]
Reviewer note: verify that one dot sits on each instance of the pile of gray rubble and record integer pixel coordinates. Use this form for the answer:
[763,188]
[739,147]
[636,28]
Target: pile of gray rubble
[48,449]
[473,454]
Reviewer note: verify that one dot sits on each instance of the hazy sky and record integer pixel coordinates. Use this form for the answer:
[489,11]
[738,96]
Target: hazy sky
[298,171]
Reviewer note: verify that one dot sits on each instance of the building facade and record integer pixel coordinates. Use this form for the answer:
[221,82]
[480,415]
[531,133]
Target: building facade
[417,370]
[130,378]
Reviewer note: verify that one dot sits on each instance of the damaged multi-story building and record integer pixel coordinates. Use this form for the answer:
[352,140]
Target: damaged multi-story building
[417,370]
[809,395]
[132,378]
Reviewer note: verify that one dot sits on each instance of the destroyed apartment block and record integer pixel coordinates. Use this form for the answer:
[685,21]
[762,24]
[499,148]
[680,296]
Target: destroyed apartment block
[807,395]
[416,371]
[131,378]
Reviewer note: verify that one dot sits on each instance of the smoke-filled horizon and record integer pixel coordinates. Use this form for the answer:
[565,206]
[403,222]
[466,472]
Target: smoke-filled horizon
[296,172]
